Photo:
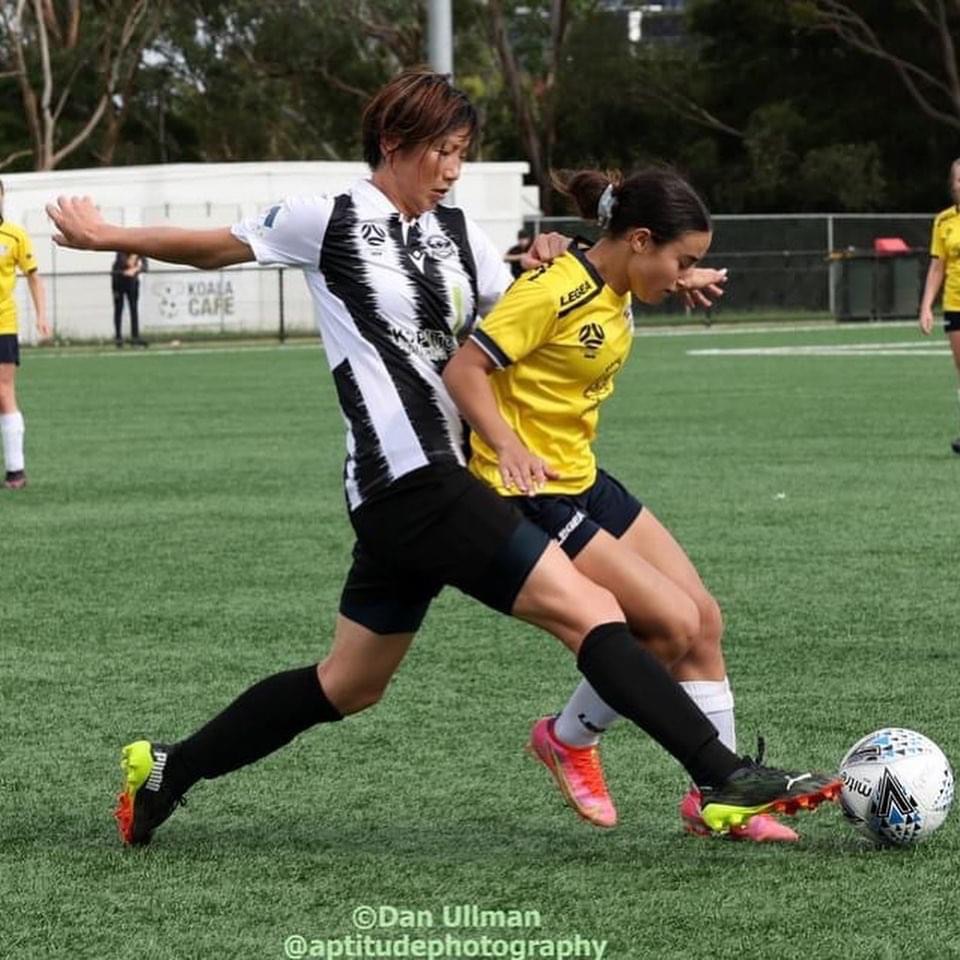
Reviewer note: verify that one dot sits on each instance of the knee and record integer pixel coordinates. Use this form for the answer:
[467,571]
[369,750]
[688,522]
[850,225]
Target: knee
[711,623]
[681,631]
[347,693]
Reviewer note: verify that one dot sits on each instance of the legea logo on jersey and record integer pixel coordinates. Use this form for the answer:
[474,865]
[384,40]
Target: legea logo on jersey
[574,295]
[4,249]
[591,336]
[374,235]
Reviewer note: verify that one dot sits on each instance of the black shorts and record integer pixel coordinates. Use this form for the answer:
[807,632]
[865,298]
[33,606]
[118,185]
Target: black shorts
[9,348]
[573,521]
[435,527]
[951,321]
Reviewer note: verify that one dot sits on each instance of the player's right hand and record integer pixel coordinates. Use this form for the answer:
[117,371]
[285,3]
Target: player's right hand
[523,470]
[78,222]
[926,320]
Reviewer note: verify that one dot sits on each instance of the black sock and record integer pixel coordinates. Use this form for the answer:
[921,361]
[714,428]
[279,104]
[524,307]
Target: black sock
[638,687]
[262,719]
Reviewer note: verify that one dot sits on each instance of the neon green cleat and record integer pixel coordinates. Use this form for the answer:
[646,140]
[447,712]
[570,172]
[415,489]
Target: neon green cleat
[755,789]
[146,799]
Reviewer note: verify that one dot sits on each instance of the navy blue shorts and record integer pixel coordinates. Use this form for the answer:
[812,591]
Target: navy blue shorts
[9,348]
[434,527]
[573,521]
[951,321]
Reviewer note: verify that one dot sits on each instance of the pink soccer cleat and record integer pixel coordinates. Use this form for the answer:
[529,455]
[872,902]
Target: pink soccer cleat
[578,773]
[761,828]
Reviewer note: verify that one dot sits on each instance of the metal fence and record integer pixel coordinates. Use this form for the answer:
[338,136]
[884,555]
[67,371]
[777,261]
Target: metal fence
[180,303]
[803,264]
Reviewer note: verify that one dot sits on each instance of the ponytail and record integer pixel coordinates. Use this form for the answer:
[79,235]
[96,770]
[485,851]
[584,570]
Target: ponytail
[656,198]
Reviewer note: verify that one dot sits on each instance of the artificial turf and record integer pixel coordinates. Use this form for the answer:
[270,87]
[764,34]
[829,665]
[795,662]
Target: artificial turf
[184,534]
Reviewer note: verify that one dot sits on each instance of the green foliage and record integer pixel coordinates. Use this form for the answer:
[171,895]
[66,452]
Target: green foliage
[844,176]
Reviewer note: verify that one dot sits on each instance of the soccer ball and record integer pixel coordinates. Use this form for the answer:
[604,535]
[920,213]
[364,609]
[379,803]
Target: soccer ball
[897,786]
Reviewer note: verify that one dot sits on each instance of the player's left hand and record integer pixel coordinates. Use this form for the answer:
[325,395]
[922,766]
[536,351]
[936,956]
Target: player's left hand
[43,329]
[701,286]
[545,248]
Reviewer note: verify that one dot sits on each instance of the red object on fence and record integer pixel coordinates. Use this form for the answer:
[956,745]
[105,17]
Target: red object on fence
[887,245]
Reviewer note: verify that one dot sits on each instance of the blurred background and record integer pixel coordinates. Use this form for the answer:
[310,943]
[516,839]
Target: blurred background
[813,128]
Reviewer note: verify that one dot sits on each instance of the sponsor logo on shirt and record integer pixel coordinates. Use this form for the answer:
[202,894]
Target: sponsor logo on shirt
[438,246]
[600,385]
[432,345]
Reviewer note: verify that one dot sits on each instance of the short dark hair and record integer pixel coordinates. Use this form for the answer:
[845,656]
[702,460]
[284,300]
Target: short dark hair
[417,107]
[657,198]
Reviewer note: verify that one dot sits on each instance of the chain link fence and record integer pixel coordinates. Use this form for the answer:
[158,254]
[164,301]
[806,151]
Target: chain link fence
[803,265]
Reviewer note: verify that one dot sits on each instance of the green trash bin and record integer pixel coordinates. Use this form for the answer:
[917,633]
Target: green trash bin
[854,282]
[872,286]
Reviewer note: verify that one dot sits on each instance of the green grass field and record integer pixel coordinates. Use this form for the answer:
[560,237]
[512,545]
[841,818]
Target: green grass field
[184,534]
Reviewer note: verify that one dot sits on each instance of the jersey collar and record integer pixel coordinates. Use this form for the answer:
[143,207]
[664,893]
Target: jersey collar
[581,254]
[373,195]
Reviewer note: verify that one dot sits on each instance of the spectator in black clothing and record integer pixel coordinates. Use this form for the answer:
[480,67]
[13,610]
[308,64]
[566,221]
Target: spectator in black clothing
[514,254]
[125,280]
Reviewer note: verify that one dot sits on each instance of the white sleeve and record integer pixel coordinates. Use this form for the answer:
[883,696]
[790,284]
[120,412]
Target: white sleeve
[493,275]
[288,233]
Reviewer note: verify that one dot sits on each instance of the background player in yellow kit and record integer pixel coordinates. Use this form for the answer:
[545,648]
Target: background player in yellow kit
[530,381]
[945,266]
[16,252]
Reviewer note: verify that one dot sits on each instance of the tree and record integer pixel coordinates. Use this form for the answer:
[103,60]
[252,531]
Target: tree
[928,69]
[529,41]
[69,61]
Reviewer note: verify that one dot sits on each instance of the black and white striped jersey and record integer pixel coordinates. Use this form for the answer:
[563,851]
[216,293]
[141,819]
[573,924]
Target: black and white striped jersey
[393,298]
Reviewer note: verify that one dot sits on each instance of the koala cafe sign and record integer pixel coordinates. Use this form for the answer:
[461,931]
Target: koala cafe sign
[177,301]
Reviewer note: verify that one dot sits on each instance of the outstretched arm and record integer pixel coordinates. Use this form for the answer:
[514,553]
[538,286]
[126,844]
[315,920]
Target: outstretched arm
[466,376]
[80,225]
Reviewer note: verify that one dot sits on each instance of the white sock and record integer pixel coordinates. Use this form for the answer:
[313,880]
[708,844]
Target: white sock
[11,428]
[715,699]
[584,718]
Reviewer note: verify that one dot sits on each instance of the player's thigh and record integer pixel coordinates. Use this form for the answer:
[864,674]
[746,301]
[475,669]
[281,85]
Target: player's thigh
[954,338]
[8,392]
[360,663]
[654,604]
[650,539]
[559,598]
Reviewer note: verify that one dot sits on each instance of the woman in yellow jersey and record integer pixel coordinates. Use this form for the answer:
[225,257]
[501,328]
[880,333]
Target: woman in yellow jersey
[530,381]
[16,252]
[945,265]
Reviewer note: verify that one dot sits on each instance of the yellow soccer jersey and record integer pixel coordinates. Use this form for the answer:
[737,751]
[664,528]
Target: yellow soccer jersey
[15,251]
[945,244]
[558,336]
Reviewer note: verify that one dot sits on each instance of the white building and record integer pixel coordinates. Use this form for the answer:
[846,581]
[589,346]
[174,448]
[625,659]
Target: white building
[240,299]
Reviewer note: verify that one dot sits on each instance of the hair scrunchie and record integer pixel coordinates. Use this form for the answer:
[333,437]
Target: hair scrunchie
[605,207]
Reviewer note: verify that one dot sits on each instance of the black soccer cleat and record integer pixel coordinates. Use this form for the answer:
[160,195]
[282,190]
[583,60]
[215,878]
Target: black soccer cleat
[955,445]
[147,799]
[754,788]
